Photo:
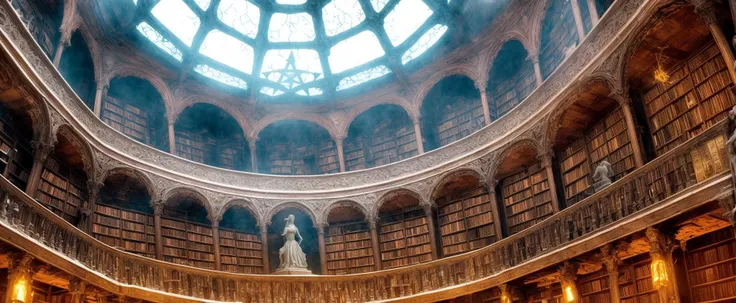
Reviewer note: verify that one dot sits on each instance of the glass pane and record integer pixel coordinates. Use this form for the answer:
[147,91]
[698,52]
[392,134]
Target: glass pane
[228,50]
[378,5]
[356,50]
[215,74]
[425,42]
[241,15]
[291,2]
[291,67]
[159,40]
[291,28]
[203,4]
[405,19]
[341,15]
[363,77]
[270,91]
[312,91]
[178,18]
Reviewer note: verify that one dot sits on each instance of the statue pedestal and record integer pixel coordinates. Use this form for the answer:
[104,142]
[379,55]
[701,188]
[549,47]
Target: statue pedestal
[292,271]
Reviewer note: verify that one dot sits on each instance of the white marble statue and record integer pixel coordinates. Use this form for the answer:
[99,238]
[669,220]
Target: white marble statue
[602,176]
[292,259]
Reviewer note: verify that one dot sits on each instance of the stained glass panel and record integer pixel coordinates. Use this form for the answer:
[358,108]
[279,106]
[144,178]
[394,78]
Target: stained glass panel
[291,28]
[241,15]
[341,15]
[425,42]
[362,77]
[354,51]
[405,19]
[228,50]
[291,67]
[220,76]
[178,18]
[151,34]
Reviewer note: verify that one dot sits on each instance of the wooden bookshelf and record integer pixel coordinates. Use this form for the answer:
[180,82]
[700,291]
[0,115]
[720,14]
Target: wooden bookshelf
[126,118]
[553,294]
[459,119]
[710,261]
[328,161]
[203,148]
[354,155]
[125,229]
[635,282]
[349,249]
[505,95]
[608,140]
[466,222]
[386,146]
[62,189]
[558,33]
[187,243]
[594,287]
[240,252]
[696,97]
[16,157]
[294,159]
[526,198]
[404,238]
[192,146]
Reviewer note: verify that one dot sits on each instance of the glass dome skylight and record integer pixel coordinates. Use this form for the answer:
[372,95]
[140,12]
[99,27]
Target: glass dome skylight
[294,47]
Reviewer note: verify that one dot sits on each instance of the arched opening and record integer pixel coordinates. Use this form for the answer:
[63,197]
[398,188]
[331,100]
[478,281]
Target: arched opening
[698,92]
[559,36]
[295,147]
[309,246]
[43,20]
[124,217]
[63,184]
[16,132]
[451,110]
[511,78]
[207,134]
[602,6]
[240,242]
[187,232]
[381,135]
[78,69]
[465,215]
[404,232]
[348,241]
[134,107]
[592,129]
[524,189]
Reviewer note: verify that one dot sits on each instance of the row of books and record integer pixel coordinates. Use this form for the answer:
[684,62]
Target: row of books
[351,263]
[347,246]
[245,253]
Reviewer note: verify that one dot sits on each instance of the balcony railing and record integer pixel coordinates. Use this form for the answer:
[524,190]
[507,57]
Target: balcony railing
[694,162]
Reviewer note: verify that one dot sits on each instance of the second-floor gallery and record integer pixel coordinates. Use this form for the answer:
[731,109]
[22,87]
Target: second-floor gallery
[367,151]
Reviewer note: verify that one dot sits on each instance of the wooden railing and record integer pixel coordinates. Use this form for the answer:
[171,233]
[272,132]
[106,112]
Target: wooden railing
[693,162]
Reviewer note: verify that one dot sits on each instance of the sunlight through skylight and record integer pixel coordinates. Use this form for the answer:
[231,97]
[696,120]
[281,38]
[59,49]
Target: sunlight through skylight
[178,18]
[354,51]
[220,76]
[291,28]
[378,5]
[363,77]
[341,15]
[405,19]
[291,67]
[291,2]
[203,4]
[241,15]
[425,42]
[151,34]
[228,50]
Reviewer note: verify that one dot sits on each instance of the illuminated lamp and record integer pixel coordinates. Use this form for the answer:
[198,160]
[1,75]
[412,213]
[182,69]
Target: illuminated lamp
[569,294]
[659,273]
[19,291]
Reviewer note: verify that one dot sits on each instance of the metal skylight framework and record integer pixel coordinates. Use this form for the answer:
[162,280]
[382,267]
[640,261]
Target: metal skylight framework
[294,47]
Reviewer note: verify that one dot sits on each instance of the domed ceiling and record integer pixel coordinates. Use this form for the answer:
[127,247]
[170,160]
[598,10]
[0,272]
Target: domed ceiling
[305,48]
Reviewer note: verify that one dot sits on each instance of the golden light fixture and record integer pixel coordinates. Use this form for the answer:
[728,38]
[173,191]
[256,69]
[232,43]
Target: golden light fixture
[659,273]
[19,291]
[661,75]
[569,294]
[505,299]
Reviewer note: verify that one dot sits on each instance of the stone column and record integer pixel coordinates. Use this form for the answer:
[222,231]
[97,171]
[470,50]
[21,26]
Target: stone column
[633,135]
[432,234]
[662,267]
[707,12]
[158,209]
[340,153]
[546,161]
[578,20]
[373,224]
[99,94]
[41,152]
[568,275]
[64,42]
[497,224]
[216,239]
[481,86]
[322,250]
[77,290]
[20,278]
[418,134]
[172,138]
[264,248]
[253,154]
[593,12]
[537,69]
[93,191]
[611,262]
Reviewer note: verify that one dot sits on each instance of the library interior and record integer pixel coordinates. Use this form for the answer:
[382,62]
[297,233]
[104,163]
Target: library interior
[459,151]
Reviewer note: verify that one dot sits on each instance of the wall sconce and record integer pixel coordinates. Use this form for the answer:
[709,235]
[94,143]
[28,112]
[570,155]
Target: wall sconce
[661,75]
[19,291]
[659,273]
[505,299]
[569,294]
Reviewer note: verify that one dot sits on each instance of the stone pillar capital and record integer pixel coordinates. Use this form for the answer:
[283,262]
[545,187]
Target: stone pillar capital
[41,150]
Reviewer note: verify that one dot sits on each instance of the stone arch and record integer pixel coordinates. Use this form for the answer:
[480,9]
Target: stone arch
[467,70]
[507,150]
[187,193]
[94,50]
[343,203]
[244,203]
[486,62]
[82,147]
[293,204]
[393,193]
[135,174]
[332,128]
[439,182]
[157,82]
[181,105]
[363,107]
